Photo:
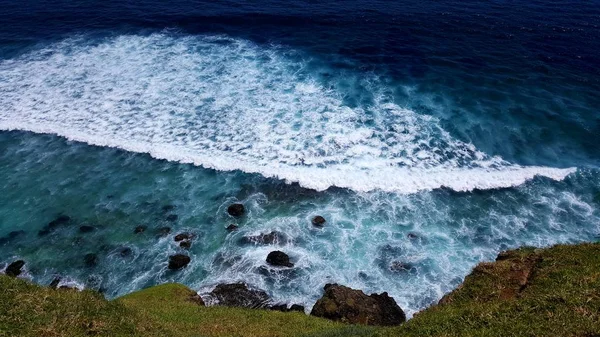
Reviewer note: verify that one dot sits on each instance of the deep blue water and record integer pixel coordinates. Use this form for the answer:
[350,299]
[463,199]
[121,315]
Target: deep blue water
[473,126]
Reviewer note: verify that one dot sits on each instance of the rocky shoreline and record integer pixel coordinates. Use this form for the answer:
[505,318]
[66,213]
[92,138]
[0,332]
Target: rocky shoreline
[525,292]
[338,303]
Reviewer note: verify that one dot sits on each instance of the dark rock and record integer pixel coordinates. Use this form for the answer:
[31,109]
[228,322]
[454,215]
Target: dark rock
[348,305]
[14,269]
[296,307]
[164,231]
[235,210]
[239,295]
[140,229]
[55,282]
[182,236]
[265,239]
[168,208]
[90,260]
[412,236]
[172,217]
[283,307]
[178,261]
[318,221]
[231,228]
[279,307]
[278,258]
[125,252]
[86,229]
[185,244]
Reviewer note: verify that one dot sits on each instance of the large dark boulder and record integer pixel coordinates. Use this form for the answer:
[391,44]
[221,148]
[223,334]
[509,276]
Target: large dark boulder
[318,221]
[239,295]
[279,258]
[14,269]
[178,261]
[352,306]
[235,210]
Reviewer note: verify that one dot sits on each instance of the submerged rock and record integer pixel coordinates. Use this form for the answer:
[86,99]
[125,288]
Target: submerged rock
[178,261]
[90,260]
[86,229]
[235,210]
[61,220]
[11,236]
[265,238]
[239,295]
[140,229]
[164,231]
[125,252]
[14,269]
[231,227]
[348,305]
[279,258]
[172,217]
[399,267]
[318,221]
[183,236]
[185,244]
[168,208]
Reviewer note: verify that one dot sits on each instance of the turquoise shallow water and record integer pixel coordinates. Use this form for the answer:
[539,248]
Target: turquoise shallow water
[431,136]
[366,233]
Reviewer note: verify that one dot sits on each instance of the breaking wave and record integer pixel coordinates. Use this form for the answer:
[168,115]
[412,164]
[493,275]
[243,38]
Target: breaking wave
[230,104]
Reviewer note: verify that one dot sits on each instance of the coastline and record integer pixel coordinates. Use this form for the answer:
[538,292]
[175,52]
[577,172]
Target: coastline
[527,291]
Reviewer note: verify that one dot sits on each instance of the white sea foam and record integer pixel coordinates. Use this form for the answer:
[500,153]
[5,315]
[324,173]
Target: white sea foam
[229,104]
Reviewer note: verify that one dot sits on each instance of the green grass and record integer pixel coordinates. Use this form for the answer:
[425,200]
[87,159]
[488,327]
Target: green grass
[530,292]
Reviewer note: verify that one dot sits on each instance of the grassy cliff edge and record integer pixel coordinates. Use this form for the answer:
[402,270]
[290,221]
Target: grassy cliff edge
[526,292]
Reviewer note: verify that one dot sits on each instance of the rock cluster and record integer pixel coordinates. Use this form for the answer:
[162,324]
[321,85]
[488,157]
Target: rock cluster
[340,303]
[240,295]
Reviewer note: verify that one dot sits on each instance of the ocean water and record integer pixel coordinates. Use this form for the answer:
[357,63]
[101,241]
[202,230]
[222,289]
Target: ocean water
[430,135]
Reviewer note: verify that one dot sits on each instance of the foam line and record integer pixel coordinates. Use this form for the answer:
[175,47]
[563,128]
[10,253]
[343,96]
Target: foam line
[229,104]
